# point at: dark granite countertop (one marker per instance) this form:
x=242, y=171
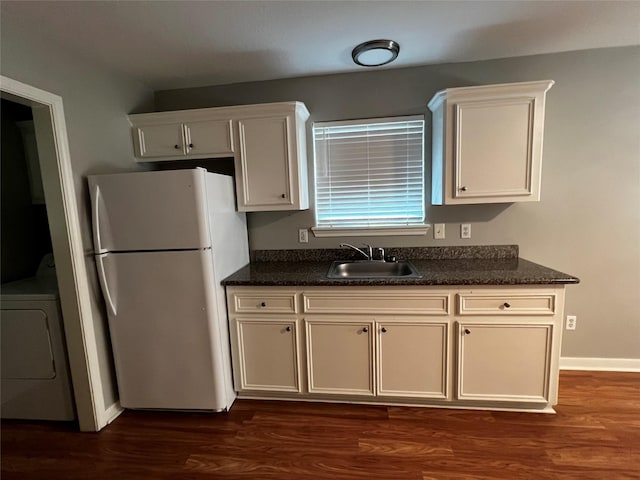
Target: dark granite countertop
x=437, y=265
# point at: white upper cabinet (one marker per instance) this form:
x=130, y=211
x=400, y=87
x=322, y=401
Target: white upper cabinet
x=487, y=143
x=271, y=165
x=267, y=142
x=167, y=136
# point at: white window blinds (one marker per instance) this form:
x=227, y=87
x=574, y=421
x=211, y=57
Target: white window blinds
x=370, y=173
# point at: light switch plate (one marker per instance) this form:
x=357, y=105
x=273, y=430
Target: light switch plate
x=438, y=231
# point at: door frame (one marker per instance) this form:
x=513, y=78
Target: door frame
x=66, y=236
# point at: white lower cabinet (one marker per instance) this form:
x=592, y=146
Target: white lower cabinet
x=499, y=349
x=412, y=358
x=267, y=355
x=340, y=356
x=504, y=362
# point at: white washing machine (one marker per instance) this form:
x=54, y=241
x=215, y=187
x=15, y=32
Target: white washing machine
x=35, y=372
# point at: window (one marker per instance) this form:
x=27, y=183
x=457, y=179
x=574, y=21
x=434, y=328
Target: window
x=370, y=175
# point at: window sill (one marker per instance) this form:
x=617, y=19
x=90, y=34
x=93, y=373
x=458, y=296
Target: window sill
x=370, y=231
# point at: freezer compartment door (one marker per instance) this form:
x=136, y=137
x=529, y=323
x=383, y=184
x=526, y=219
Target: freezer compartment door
x=164, y=330
x=163, y=210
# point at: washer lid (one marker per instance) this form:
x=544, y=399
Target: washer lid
x=33, y=288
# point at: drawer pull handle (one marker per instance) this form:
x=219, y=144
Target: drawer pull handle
x=263, y=304
x=365, y=329
x=507, y=305
x=288, y=329
x=384, y=330
x=467, y=331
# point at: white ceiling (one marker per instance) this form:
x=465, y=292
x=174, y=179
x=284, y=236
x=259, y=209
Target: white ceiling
x=173, y=44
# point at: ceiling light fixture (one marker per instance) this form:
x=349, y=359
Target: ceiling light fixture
x=375, y=53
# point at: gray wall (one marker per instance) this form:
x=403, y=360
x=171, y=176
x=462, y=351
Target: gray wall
x=96, y=103
x=588, y=222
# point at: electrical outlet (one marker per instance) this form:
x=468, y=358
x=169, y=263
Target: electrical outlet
x=465, y=230
x=438, y=231
x=571, y=322
x=303, y=235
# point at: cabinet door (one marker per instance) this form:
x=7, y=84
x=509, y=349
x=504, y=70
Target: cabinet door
x=340, y=356
x=153, y=141
x=267, y=355
x=209, y=139
x=504, y=362
x=487, y=143
x=492, y=149
x=412, y=359
x=266, y=154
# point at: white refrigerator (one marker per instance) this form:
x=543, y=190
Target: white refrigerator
x=163, y=243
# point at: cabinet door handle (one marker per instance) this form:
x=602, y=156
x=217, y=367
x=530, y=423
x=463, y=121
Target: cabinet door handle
x=263, y=304
x=365, y=329
x=506, y=305
x=383, y=330
x=191, y=145
x=463, y=189
x=467, y=331
x=176, y=146
x=288, y=329
x=284, y=195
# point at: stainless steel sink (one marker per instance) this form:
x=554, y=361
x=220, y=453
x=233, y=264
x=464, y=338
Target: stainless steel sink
x=372, y=269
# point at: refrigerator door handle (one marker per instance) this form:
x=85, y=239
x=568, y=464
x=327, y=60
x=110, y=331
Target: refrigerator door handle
x=96, y=219
x=103, y=282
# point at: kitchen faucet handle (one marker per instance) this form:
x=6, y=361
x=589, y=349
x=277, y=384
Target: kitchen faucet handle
x=370, y=250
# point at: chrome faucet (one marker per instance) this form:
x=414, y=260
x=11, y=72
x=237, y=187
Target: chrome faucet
x=368, y=256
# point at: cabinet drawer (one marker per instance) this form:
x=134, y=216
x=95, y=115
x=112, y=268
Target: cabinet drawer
x=284, y=302
x=507, y=304
x=377, y=303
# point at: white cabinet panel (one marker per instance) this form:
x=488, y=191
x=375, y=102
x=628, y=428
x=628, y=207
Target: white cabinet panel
x=175, y=141
x=492, y=148
x=265, y=158
x=271, y=165
x=158, y=141
x=487, y=143
x=504, y=362
x=209, y=139
x=499, y=303
x=260, y=301
x=267, y=355
x=371, y=302
x=412, y=359
x=340, y=356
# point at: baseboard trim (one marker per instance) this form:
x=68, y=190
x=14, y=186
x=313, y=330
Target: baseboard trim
x=600, y=364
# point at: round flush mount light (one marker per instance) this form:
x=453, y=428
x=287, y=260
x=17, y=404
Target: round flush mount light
x=375, y=53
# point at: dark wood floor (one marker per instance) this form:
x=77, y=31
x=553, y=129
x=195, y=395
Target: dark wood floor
x=595, y=435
